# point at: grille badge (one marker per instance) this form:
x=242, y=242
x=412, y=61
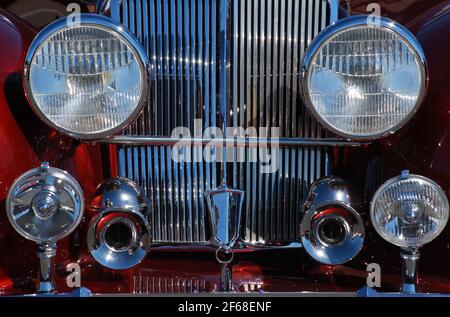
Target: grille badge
x=225, y=213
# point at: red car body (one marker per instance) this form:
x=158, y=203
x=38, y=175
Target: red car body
x=422, y=146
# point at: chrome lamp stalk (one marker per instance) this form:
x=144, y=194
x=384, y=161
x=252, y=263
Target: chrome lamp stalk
x=46, y=253
x=45, y=205
x=410, y=262
x=225, y=211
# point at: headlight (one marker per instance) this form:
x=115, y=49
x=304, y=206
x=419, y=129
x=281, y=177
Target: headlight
x=88, y=80
x=364, y=81
x=409, y=211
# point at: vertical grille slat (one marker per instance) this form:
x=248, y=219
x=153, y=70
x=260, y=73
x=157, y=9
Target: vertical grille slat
x=232, y=60
x=170, y=285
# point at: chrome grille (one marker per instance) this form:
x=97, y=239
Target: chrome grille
x=170, y=285
x=224, y=61
x=154, y=284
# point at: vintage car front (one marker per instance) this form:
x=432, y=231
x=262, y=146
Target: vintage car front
x=210, y=146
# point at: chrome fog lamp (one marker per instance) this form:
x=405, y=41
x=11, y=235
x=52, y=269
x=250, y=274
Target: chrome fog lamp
x=332, y=230
x=409, y=211
x=88, y=80
x=364, y=80
x=45, y=205
x=119, y=236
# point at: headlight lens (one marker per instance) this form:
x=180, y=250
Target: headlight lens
x=88, y=80
x=364, y=81
x=409, y=211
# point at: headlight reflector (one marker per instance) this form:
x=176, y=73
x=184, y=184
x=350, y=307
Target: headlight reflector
x=364, y=81
x=409, y=211
x=87, y=80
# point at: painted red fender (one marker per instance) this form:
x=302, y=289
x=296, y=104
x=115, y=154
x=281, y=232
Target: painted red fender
x=16, y=152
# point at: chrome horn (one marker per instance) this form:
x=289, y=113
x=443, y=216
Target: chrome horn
x=332, y=230
x=119, y=236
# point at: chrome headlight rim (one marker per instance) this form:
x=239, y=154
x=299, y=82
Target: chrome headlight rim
x=357, y=22
x=394, y=180
x=105, y=24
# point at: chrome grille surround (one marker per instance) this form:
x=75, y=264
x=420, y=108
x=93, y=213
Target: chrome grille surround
x=233, y=62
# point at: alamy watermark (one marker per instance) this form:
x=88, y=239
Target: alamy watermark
x=234, y=145
x=374, y=276
x=374, y=17
x=73, y=280
x=74, y=18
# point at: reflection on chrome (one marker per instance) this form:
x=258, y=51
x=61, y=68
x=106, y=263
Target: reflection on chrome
x=119, y=236
x=213, y=74
x=45, y=205
x=332, y=230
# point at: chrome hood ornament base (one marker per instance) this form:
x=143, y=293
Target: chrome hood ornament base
x=225, y=213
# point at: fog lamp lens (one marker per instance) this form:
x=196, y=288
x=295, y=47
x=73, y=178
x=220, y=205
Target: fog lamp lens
x=409, y=211
x=45, y=204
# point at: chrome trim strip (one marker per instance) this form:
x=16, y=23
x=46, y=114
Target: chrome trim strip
x=236, y=142
x=334, y=11
x=363, y=292
x=257, y=294
x=240, y=245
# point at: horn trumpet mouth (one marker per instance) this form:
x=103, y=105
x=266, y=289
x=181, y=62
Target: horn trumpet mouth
x=119, y=240
x=332, y=234
x=332, y=231
x=119, y=236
